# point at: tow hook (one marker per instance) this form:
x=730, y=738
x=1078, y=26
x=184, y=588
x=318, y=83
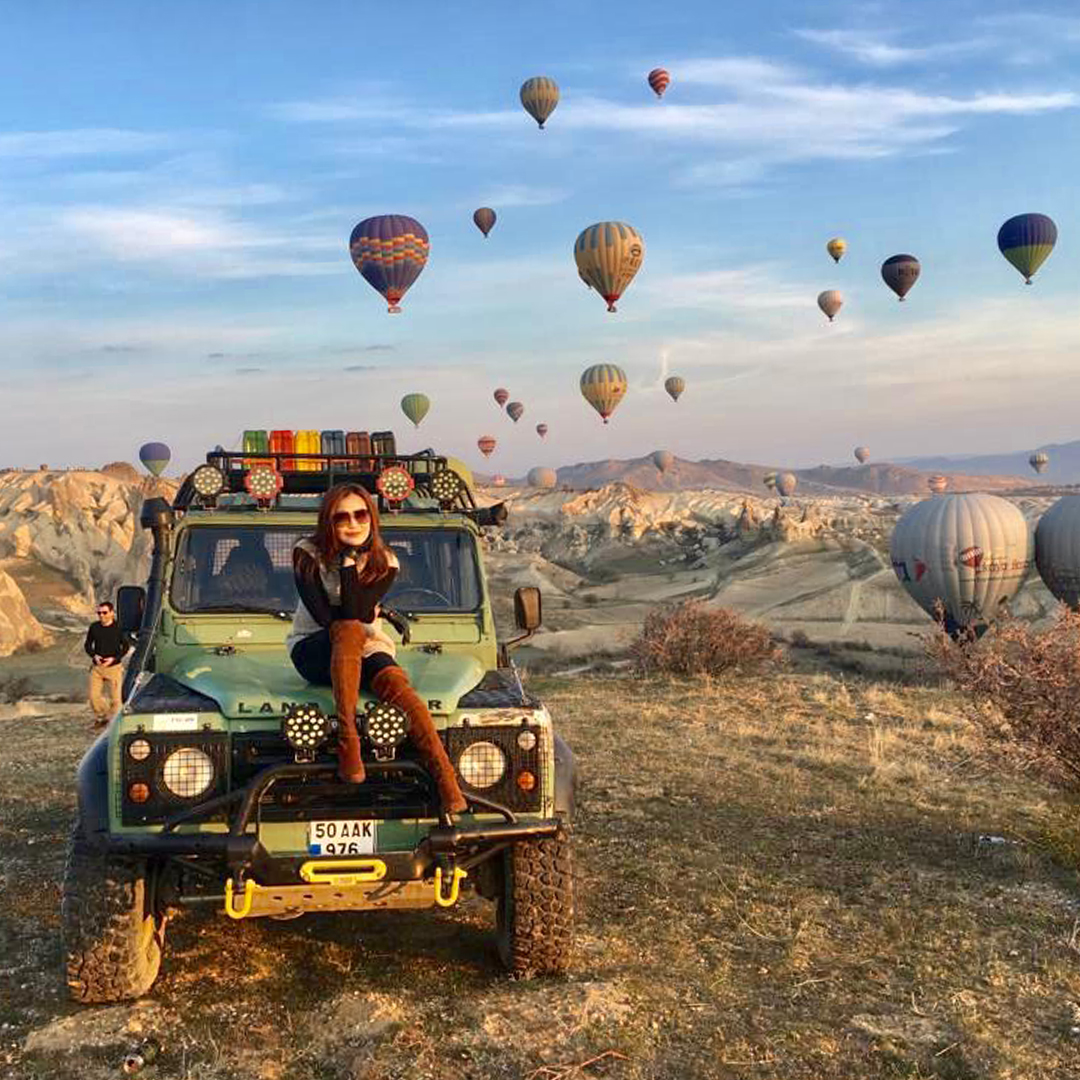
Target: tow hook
x=453, y=882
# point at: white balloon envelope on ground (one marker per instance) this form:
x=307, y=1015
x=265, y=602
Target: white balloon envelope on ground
x=1057, y=549
x=969, y=552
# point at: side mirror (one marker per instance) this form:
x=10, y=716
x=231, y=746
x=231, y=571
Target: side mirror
x=130, y=604
x=528, y=612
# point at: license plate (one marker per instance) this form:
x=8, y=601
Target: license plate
x=342, y=837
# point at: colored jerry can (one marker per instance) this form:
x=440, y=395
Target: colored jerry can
x=383, y=445
x=333, y=442
x=255, y=441
x=358, y=445
x=309, y=441
x=283, y=442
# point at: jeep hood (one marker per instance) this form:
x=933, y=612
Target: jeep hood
x=262, y=682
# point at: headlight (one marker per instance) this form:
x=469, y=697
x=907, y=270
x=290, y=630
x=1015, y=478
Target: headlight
x=482, y=764
x=188, y=772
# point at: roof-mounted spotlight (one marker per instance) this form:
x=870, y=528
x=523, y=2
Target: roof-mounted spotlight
x=208, y=482
x=306, y=728
x=263, y=483
x=445, y=486
x=395, y=483
x=386, y=727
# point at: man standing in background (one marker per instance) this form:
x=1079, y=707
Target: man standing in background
x=106, y=645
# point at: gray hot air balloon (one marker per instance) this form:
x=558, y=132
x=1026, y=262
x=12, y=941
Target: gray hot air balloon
x=900, y=272
x=1039, y=460
x=663, y=459
x=862, y=454
x=830, y=302
x=969, y=553
x=786, y=483
x=1057, y=549
x=542, y=478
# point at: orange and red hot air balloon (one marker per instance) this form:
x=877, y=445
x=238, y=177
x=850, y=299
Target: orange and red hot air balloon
x=659, y=80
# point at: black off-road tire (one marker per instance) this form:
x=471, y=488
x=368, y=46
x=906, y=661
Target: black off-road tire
x=535, y=911
x=112, y=939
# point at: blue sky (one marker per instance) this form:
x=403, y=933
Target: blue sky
x=178, y=184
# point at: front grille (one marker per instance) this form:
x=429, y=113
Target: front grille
x=150, y=771
x=506, y=791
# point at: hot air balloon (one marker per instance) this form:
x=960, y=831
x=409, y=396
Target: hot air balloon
x=830, y=302
x=155, y=456
x=769, y=480
x=486, y=444
x=484, y=219
x=674, y=385
x=1026, y=241
x=608, y=255
x=1057, y=549
x=539, y=96
x=1039, y=460
x=390, y=251
x=542, y=478
x=862, y=454
x=659, y=80
x=603, y=387
x=498, y=480
x=937, y=484
x=516, y=410
x=786, y=483
x=969, y=553
x=501, y=397
x=900, y=272
x=541, y=430
x=836, y=248
x=663, y=459
x=415, y=407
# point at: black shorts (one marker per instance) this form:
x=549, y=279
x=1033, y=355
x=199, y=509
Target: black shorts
x=311, y=657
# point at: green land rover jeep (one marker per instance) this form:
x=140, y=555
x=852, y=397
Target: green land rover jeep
x=215, y=784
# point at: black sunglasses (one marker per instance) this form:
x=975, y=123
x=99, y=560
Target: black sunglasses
x=343, y=517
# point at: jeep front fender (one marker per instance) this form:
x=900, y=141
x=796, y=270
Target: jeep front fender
x=565, y=779
x=92, y=788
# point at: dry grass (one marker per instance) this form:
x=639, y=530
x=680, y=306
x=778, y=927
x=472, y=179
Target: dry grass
x=787, y=878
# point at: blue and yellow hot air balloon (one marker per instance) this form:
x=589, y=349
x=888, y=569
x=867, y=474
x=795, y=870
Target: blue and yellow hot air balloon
x=539, y=96
x=603, y=386
x=155, y=456
x=608, y=255
x=415, y=407
x=390, y=251
x=1026, y=241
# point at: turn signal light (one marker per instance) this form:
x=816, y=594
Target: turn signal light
x=526, y=781
x=139, y=793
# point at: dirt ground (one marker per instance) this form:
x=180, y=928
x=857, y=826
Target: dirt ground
x=793, y=878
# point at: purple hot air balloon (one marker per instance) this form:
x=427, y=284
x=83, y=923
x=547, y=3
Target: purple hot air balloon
x=900, y=272
x=389, y=250
x=516, y=410
x=155, y=456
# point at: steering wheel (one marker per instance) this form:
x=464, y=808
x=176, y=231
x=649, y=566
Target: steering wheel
x=398, y=599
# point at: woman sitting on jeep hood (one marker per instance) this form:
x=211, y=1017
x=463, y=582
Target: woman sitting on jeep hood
x=342, y=572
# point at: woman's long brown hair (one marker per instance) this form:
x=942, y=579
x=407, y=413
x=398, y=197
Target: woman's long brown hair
x=325, y=539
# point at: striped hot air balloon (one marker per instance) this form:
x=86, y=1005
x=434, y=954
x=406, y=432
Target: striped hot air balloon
x=1039, y=460
x=900, y=272
x=603, y=386
x=484, y=219
x=501, y=397
x=415, y=407
x=1057, y=550
x=390, y=251
x=539, y=96
x=608, y=255
x=515, y=410
x=836, y=248
x=659, y=80
x=830, y=302
x=1026, y=241
x=486, y=444
x=541, y=430
x=674, y=385
x=541, y=477
x=937, y=483
x=786, y=483
x=155, y=456
x=769, y=480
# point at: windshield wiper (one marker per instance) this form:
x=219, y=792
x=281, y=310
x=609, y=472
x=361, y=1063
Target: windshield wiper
x=238, y=609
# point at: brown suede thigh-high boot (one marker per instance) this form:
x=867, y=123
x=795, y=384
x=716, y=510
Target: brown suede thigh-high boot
x=392, y=686
x=347, y=637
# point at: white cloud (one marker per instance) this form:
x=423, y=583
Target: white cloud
x=78, y=142
x=519, y=195
x=878, y=50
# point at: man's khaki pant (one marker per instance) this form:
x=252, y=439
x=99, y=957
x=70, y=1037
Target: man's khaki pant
x=105, y=680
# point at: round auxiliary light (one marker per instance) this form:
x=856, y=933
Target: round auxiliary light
x=526, y=740
x=263, y=482
x=386, y=727
x=305, y=728
x=188, y=772
x=395, y=483
x=482, y=765
x=445, y=485
x=139, y=749
x=139, y=792
x=208, y=481
x=526, y=780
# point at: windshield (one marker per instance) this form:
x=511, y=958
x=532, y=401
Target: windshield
x=249, y=568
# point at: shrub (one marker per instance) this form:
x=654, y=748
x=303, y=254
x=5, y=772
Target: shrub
x=1023, y=690
x=13, y=688
x=692, y=639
